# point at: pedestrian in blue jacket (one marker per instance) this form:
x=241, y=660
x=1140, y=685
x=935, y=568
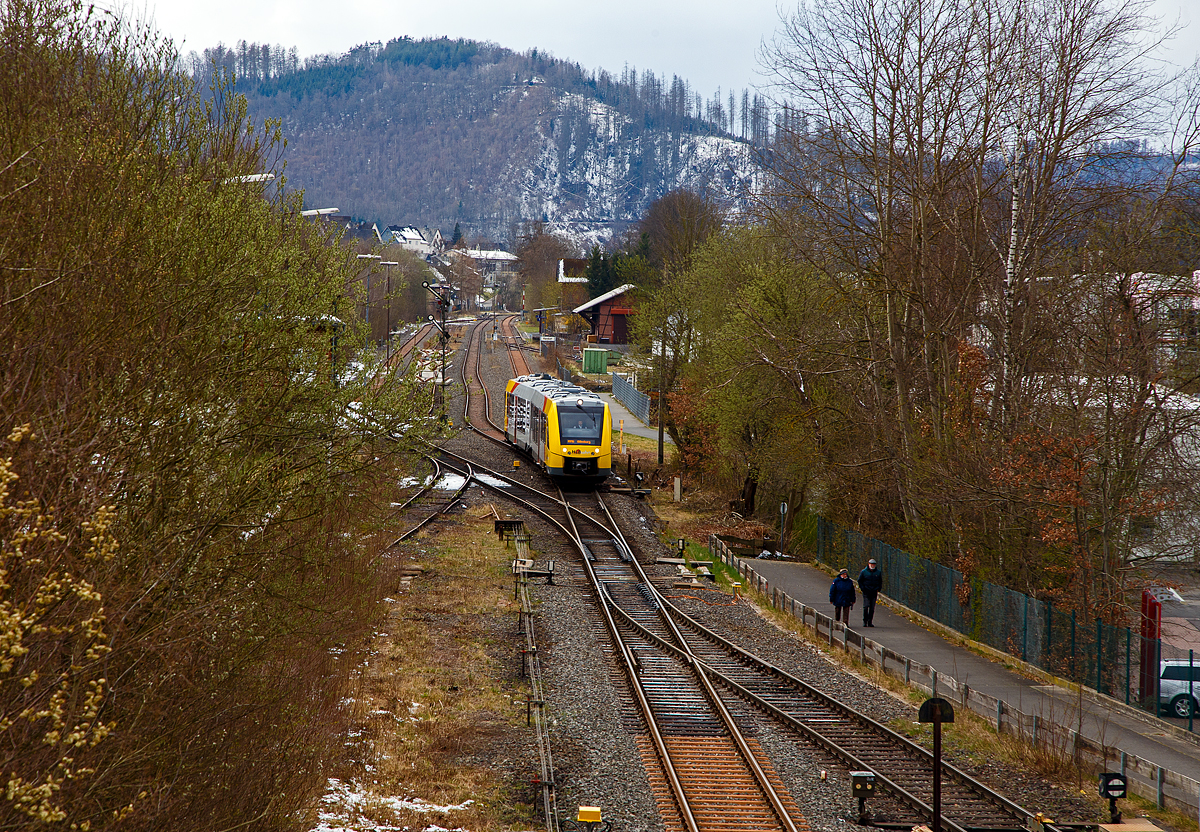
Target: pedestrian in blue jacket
x=842, y=596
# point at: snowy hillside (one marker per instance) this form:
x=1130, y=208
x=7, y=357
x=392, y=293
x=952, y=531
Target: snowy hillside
x=444, y=133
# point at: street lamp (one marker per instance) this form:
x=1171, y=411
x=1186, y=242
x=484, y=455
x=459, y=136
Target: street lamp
x=367, y=305
x=389, y=264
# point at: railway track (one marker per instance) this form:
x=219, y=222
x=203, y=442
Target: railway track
x=693, y=738
x=477, y=408
x=699, y=697
x=428, y=501
x=696, y=693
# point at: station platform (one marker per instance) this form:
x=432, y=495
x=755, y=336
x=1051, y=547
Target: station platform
x=1158, y=741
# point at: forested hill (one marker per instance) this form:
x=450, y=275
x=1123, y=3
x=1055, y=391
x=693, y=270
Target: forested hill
x=438, y=132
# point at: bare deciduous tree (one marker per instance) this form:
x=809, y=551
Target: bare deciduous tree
x=953, y=170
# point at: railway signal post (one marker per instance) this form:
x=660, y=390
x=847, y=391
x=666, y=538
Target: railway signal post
x=1113, y=786
x=937, y=711
x=443, y=302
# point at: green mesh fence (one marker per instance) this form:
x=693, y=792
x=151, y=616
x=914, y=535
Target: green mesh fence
x=1100, y=656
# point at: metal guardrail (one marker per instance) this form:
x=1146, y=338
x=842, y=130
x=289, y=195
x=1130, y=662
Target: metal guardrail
x=635, y=402
x=1103, y=657
x=567, y=374
x=1166, y=788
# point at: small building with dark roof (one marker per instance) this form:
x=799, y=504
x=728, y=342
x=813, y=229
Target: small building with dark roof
x=608, y=315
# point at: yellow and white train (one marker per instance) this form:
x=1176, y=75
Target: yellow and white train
x=565, y=428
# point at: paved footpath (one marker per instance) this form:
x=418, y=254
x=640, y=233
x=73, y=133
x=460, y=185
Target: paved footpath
x=1111, y=724
x=632, y=425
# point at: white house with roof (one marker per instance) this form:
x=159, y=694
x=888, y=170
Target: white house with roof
x=492, y=265
x=424, y=242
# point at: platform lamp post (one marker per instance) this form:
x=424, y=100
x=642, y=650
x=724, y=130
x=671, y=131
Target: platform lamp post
x=367, y=305
x=388, y=336
x=443, y=303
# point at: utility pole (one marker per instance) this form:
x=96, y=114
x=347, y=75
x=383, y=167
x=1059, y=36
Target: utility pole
x=443, y=306
x=367, y=305
x=388, y=335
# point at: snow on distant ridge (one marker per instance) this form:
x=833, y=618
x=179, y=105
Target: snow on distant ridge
x=592, y=153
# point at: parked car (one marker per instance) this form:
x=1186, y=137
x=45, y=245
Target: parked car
x=1173, y=688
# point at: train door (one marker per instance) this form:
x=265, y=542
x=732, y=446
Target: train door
x=543, y=435
x=519, y=414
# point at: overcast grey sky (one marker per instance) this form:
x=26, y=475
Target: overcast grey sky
x=709, y=43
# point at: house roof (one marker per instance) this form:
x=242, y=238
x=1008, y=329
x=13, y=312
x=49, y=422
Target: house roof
x=620, y=290
x=483, y=254
x=356, y=228
x=407, y=232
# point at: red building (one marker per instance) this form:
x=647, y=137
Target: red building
x=607, y=315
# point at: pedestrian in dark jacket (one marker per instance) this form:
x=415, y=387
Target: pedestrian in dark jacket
x=870, y=582
x=842, y=596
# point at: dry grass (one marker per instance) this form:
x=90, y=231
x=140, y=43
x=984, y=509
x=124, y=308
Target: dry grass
x=441, y=698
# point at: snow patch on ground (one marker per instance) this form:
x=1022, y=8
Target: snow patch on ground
x=346, y=803
x=492, y=481
x=450, y=482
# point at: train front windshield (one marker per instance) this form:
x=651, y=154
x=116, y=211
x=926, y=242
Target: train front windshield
x=580, y=425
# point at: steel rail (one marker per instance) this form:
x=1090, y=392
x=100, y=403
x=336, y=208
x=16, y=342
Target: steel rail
x=541, y=730
x=470, y=475
x=892, y=737
x=852, y=761
x=514, y=352
x=685, y=652
x=630, y=664
x=629, y=661
x=469, y=341
x=474, y=344
x=487, y=398
x=705, y=670
x=921, y=807
x=400, y=353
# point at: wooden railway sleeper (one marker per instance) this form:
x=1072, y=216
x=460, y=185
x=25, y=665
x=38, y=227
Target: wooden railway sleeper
x=890, y=736
x=812, y=735
x=745, y=752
